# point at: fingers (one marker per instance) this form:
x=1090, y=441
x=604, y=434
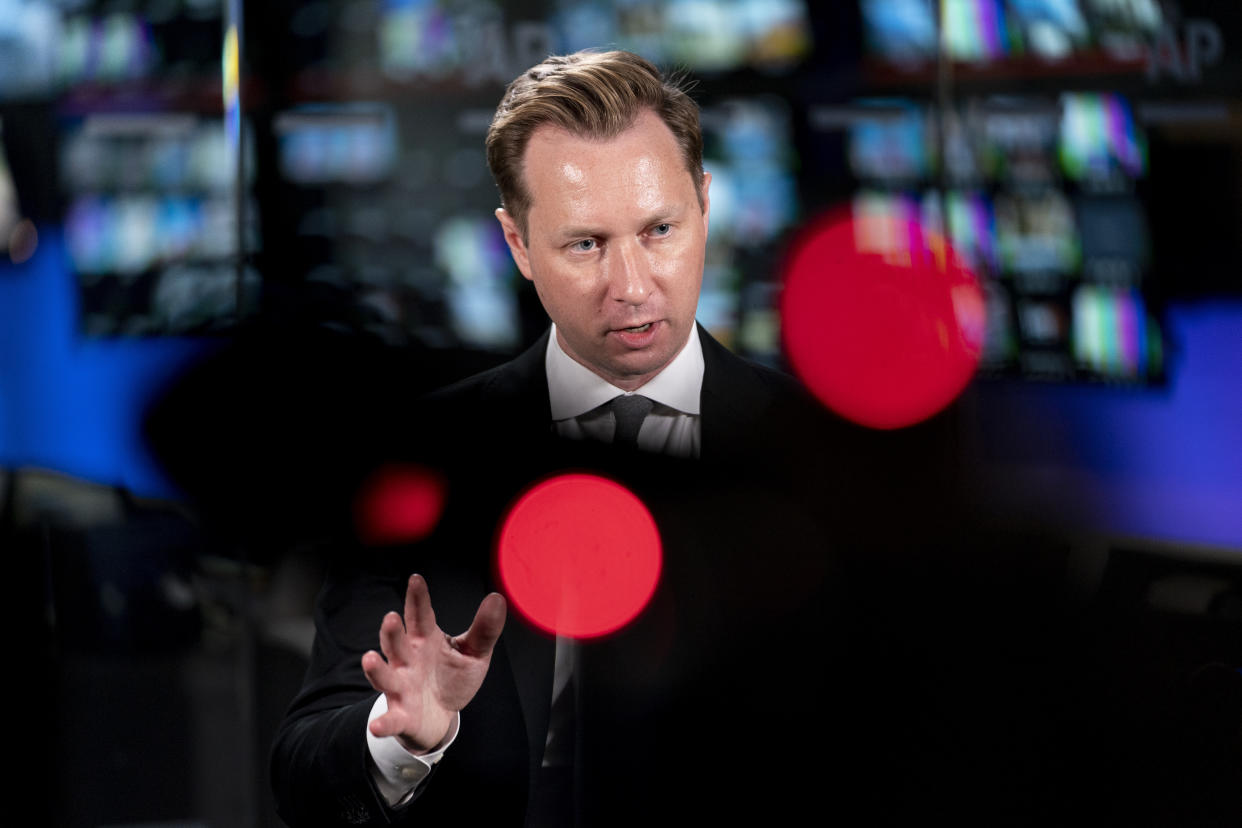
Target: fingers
x=420, y=619
x=391, y=723
x=393, y=642
x=484, y=631
x=382, y=676
x=380, y=727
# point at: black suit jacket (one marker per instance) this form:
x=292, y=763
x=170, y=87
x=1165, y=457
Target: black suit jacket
x=739, y=527
x=799, y=655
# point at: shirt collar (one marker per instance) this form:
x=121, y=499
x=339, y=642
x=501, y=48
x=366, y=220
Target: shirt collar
x=574, y=389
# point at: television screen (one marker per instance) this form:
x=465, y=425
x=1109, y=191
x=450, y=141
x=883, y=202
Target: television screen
x=1114, y=232
x=1124, y=29
x=900, y=31
x=1051, y=29
x=972, y=229
x=32, y=36
x=1019, y=136
x=749, y=151
x=482, y=306
x=418, y=38
x=1099, y=141
x=1113, y=336
x=706, y=36
x=350, y=143
x=893, y=145
x=151, y=222
x=975, y=30
x=1036, y=234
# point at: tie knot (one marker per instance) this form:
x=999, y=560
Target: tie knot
x=629, y=410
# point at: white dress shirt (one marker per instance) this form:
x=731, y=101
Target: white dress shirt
x=397, y=772
x=578, y=399
x=576, y=394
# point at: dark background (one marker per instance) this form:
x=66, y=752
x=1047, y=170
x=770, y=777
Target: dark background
x=174, y=461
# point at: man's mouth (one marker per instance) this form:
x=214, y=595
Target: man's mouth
x=638, y=329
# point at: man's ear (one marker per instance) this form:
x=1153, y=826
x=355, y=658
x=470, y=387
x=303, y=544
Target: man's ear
x=707, y=201
x=513, y=237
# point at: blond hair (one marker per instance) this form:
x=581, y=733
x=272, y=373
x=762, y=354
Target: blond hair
x=591, y=95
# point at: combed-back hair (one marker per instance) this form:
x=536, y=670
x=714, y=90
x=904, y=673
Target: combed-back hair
x=590, y=94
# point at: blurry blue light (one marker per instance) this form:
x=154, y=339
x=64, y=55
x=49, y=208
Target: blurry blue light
x=70, y=404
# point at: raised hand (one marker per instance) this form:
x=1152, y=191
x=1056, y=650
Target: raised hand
x=429, y=675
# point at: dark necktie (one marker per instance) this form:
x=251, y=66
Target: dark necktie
x=629, y=410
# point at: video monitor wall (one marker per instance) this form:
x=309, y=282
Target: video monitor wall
x=1002, y=126
x=146, y=174
x=1023, y=130
x=151, y=223
x=907, y=33
x=1042, y=198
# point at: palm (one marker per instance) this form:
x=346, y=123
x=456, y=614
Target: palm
x=429, y=676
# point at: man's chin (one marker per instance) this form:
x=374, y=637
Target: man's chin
x=635, y=368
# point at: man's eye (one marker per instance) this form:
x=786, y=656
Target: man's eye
x=584, y=246
x=662, y=229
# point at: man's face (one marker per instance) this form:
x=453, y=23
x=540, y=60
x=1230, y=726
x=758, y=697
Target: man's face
x=615, y=244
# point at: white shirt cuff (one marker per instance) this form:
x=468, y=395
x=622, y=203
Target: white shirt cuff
x=397, y=772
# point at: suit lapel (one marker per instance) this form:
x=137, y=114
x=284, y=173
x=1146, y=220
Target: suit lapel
x=732, y=400
x=518, y=393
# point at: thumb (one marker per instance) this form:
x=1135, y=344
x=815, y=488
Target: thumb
x=484, y=631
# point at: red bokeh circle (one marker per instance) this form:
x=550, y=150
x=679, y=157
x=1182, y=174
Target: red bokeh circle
x=579, y=555
x=882, y=322
x=399, y=503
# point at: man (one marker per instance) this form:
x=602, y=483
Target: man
x=605, y=210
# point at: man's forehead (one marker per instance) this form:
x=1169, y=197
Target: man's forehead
x=588, y=181
x=638, y=153
x=572, y=172
x=554, y=145
x=550, y=135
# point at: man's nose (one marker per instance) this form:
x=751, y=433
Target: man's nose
x=630, y=277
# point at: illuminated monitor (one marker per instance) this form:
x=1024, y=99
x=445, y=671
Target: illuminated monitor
x=1050, y=29
x=1098, y=138
x=900, y=31
x=893, y=144
x=151, y=221
x=353, y=143
x=1113, y=338
x=975, y=30
x=706, y=36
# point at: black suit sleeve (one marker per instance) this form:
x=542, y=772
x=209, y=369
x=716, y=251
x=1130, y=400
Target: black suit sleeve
x=321, y=767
